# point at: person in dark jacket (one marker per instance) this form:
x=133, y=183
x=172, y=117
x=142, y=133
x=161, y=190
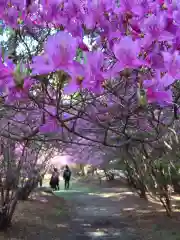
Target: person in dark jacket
x=54, y=181
x=66, y=177
x=41, y=177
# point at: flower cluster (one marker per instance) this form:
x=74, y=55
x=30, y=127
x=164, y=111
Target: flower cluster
x=140, y=35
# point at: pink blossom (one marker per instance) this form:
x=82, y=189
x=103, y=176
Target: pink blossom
x=59, y=53
x=154, y=29
x=125, y=57
x=87, y=76
x=156, y=89
x=172, y=63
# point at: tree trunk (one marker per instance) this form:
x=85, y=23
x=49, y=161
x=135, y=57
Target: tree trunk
x=176, y=186
x=166, y=202
x=24, y=194
x=143, y=194
x=6, y=214
x=82, y=169
x=25, y=191
x=5, y=221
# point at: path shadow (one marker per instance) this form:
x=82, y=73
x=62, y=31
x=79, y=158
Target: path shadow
x=113, y=210
x=39, y=220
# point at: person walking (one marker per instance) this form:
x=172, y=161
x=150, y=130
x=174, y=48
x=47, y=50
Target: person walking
x=40, y=180
x=66, y=177
x=54, y=181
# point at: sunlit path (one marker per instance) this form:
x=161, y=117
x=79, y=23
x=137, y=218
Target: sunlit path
x=97, y=213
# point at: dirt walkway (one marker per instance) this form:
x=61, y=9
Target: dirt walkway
x=91, y=213
x=100, y=217
x=43, y=217
x=116, y=213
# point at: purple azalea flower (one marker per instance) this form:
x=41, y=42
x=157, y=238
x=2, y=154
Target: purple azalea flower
x=155, y=57
x=156, y=89
x=9, y=82
x=125, y=57
x=88, y=76
x=42, y=65
x=176, y=16
x=161, y=97
x=19, y=93
x=51, y=10
x=94, y=12
x=159, y=82
x=60, y=51
x=154, y=29
x=6, y=74
x=12, y=17
x=172, y=63
x=94, y=72
x=170, y=26
x=77, y=74
x=134, y=7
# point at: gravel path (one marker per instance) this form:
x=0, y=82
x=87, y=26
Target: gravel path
x=91, y=213
x=98, y=214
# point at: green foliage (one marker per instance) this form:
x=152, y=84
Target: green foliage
x=79, y=56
